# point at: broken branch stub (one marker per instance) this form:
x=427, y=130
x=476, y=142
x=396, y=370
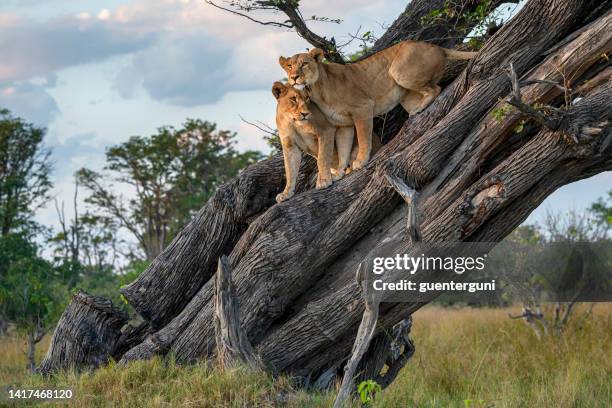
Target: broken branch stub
x=233, y=346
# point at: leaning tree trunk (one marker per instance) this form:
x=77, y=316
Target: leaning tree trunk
x=293, y=263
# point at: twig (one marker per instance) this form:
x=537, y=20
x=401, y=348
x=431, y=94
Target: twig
x=296, y=21
x=262, y=126
x=266, y=23
x=516, y=101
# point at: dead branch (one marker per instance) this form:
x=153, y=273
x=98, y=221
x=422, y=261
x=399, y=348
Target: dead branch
x=362, y=340
x=517, y=101
x=410, y=196
x=260, y=126
x=295, y=21
x=233, y=346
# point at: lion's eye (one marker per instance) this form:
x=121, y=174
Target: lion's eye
x=294, y=99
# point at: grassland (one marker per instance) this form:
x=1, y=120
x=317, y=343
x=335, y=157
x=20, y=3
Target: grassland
x=465, y=357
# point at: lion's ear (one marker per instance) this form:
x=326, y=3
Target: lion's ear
x=317, y=54
x=282, y=61
x=278, y=89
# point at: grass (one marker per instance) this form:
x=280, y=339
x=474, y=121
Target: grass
x=465, y=357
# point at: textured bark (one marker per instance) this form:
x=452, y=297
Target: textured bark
x=233, y=347
x=86, y=335
x=173, y=278
x=293, y=263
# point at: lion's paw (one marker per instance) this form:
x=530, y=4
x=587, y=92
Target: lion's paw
x=357, y=164
x=337, y=174
x=323, y=182
x=285, y=195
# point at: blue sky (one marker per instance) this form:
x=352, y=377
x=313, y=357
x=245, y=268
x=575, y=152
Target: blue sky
x=96, y=72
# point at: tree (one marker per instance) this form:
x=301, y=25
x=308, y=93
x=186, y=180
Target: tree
x=602, y=210
x=24, y=176
x=30, y=291
x=171, y=174
x=24, y=171
x=478, y=166
x=562, y=262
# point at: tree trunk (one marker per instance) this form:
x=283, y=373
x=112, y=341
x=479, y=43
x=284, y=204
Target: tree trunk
x=31, y=351
x=3, y=325
x=293, y=263
x=87, y=335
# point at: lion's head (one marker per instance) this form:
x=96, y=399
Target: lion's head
x=303, y=69
x=292, y=102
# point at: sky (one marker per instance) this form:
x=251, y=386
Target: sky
x=95, y=73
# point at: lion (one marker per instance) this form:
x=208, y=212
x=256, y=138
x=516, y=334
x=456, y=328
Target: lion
x=302, y=127
x=353, y=94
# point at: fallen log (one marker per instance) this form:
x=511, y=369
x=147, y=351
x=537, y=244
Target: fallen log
x=86, y=335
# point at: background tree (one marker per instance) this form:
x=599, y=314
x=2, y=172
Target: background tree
x=24, y=171
x=24, y=177
x=552, y=267
x=171, y=174
x=86, y=249
x=31, y=292
x=602, y=210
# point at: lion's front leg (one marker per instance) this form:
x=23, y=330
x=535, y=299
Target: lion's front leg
x=324, y=158
x=292, y=156
x=364, y=140
x=344, y=146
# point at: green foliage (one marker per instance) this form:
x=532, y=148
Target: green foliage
x=499, y=114
x=172, y=174
x=602, y=211
x=326, y=19
x=31, y=290
x=24, y=172
x=480, y=19
x=367, y=391
x=520, y=126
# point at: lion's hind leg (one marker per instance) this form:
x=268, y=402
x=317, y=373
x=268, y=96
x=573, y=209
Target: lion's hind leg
x=417, y=70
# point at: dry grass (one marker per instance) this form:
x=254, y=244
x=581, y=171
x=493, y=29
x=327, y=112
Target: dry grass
x=462, y=354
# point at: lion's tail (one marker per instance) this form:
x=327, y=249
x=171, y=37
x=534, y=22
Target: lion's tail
x=458, y=55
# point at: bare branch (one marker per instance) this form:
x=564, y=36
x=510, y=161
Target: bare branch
x=516, y=101
x=296, y=21
x=266, y=23
x=260, y=126
x=410, y=196
x=362, y=340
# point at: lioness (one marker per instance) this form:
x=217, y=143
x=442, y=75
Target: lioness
x=406, y=73
x=303, y=127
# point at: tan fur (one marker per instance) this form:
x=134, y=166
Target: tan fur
x=406, y=73
x=302, y=127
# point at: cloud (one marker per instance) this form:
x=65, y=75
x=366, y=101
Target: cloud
x=181, y=71
x=191, y=70
x=180, y=52
x=30, y=48
x=77, y=151
x=29, y=101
